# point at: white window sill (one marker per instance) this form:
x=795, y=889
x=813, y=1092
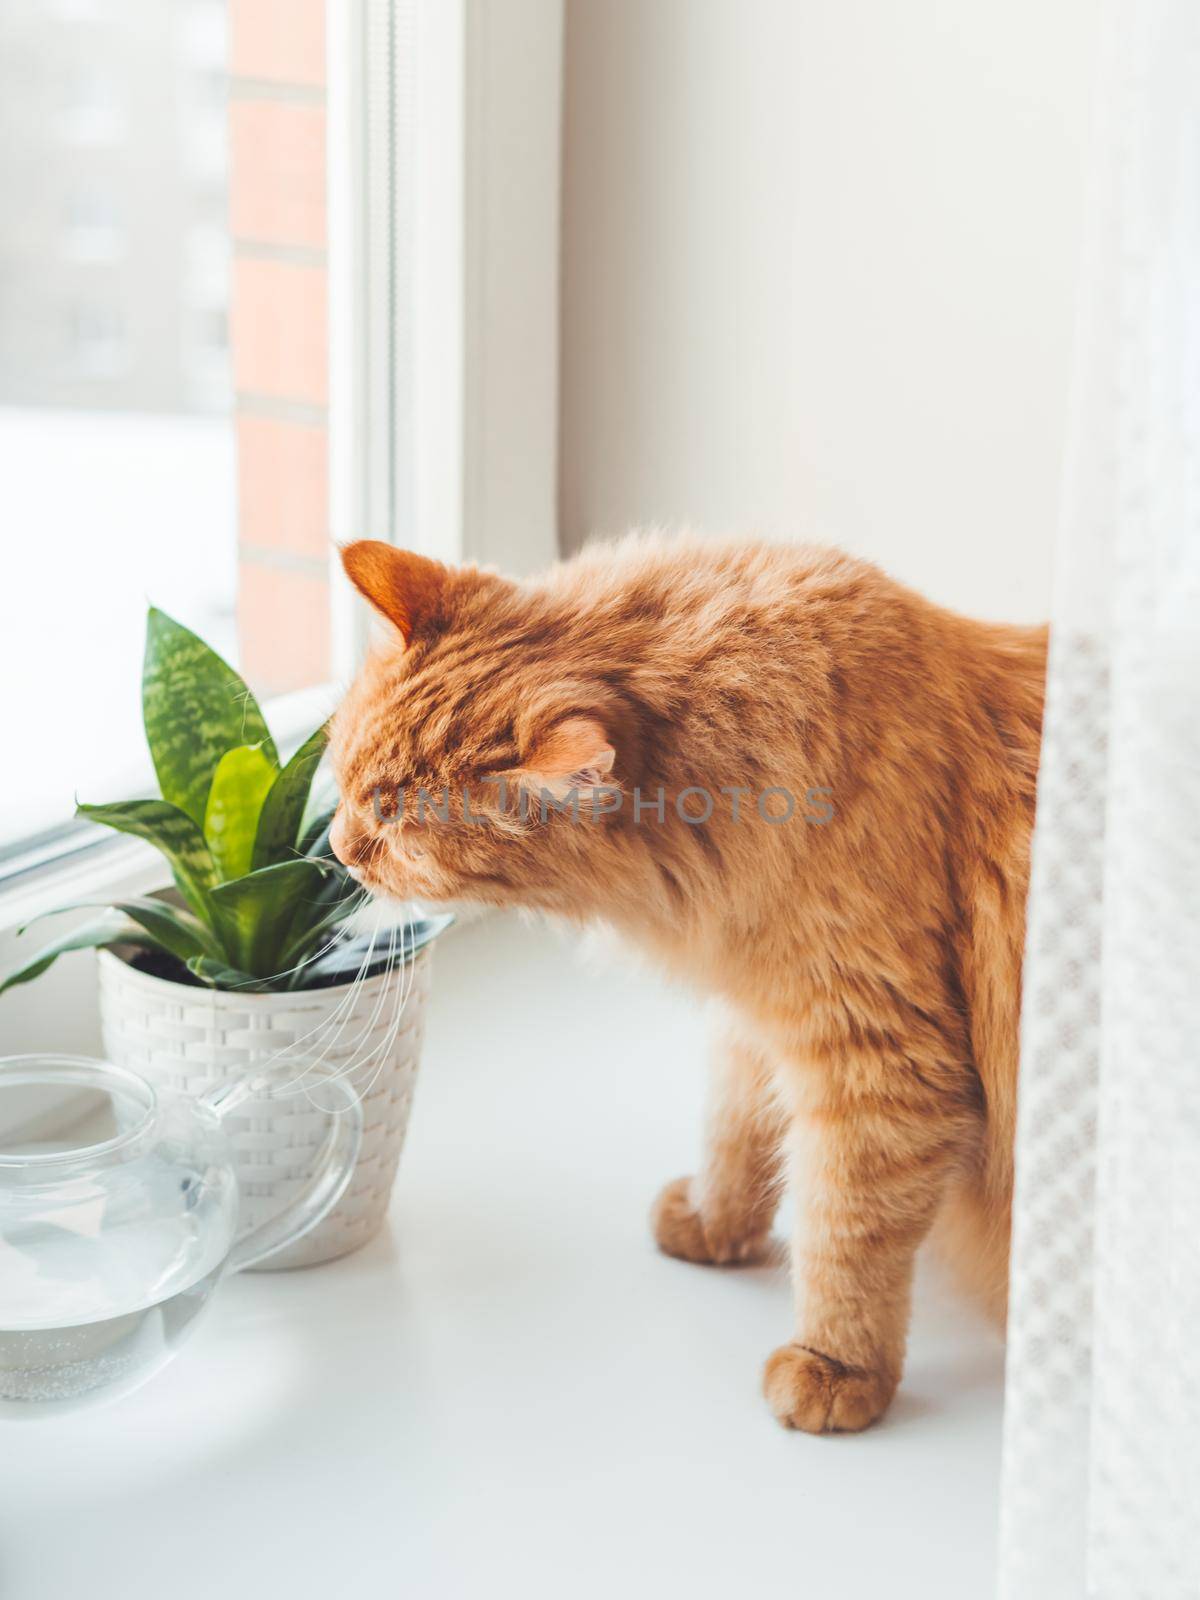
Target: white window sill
x=509, y=1392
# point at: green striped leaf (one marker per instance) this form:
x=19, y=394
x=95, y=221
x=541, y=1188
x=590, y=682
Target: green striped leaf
x=195, y=708
x=241, y=783
x=102, y=933
x=219, y=976
x=283, y=809
x=255, y=912
x=307, y=935
x=170, y=927
x=173, y=833
x=336, y=897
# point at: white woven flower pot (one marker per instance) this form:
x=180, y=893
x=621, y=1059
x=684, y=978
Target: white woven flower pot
x=188, y=1040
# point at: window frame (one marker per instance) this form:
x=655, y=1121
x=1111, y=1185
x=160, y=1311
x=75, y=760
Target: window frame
x=443, y=338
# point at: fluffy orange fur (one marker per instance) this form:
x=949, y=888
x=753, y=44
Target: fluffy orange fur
x=870, y=960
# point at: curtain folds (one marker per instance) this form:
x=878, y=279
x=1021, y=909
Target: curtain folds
x=1101, y=1474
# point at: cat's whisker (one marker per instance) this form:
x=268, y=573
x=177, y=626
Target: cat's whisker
x=330, y=1028
x=344, y=1005
x=351, y=1063
x=356, y=1060
x=383, y=1047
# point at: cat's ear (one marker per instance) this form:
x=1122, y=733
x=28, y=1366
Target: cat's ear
x=405, y=588
x=573, y=755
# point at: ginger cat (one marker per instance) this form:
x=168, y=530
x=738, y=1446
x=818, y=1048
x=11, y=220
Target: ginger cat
x=867, y=944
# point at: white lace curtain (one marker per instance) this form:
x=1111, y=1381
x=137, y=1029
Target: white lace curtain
x=1101, y=1478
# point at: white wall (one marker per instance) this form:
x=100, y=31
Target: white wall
x=819, y=268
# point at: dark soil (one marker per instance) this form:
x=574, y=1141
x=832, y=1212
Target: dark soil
x=158, y=964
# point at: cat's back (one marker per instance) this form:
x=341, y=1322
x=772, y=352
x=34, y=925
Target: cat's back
x=681, y=574
x=768, y=627
x=753, y=585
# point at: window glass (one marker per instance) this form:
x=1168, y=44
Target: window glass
x=162, y=367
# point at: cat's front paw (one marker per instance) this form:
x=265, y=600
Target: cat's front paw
x=680, y=1231
x=815, y=1393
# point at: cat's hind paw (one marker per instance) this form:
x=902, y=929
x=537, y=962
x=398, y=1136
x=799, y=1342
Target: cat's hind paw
x=680, y=1230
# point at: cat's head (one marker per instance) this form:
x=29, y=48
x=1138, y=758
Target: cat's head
x=468, y=722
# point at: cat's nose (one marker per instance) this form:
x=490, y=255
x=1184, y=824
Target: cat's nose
x=347, y=841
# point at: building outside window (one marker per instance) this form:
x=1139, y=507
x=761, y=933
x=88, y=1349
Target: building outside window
x=163, y=365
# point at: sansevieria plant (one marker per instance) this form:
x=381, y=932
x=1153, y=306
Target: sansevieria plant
x=260, y=898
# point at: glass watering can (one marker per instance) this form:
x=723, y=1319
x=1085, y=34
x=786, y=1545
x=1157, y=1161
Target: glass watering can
x=118, y=1218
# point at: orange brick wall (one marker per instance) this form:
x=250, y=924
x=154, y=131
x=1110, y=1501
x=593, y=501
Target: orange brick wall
x=279, y=335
